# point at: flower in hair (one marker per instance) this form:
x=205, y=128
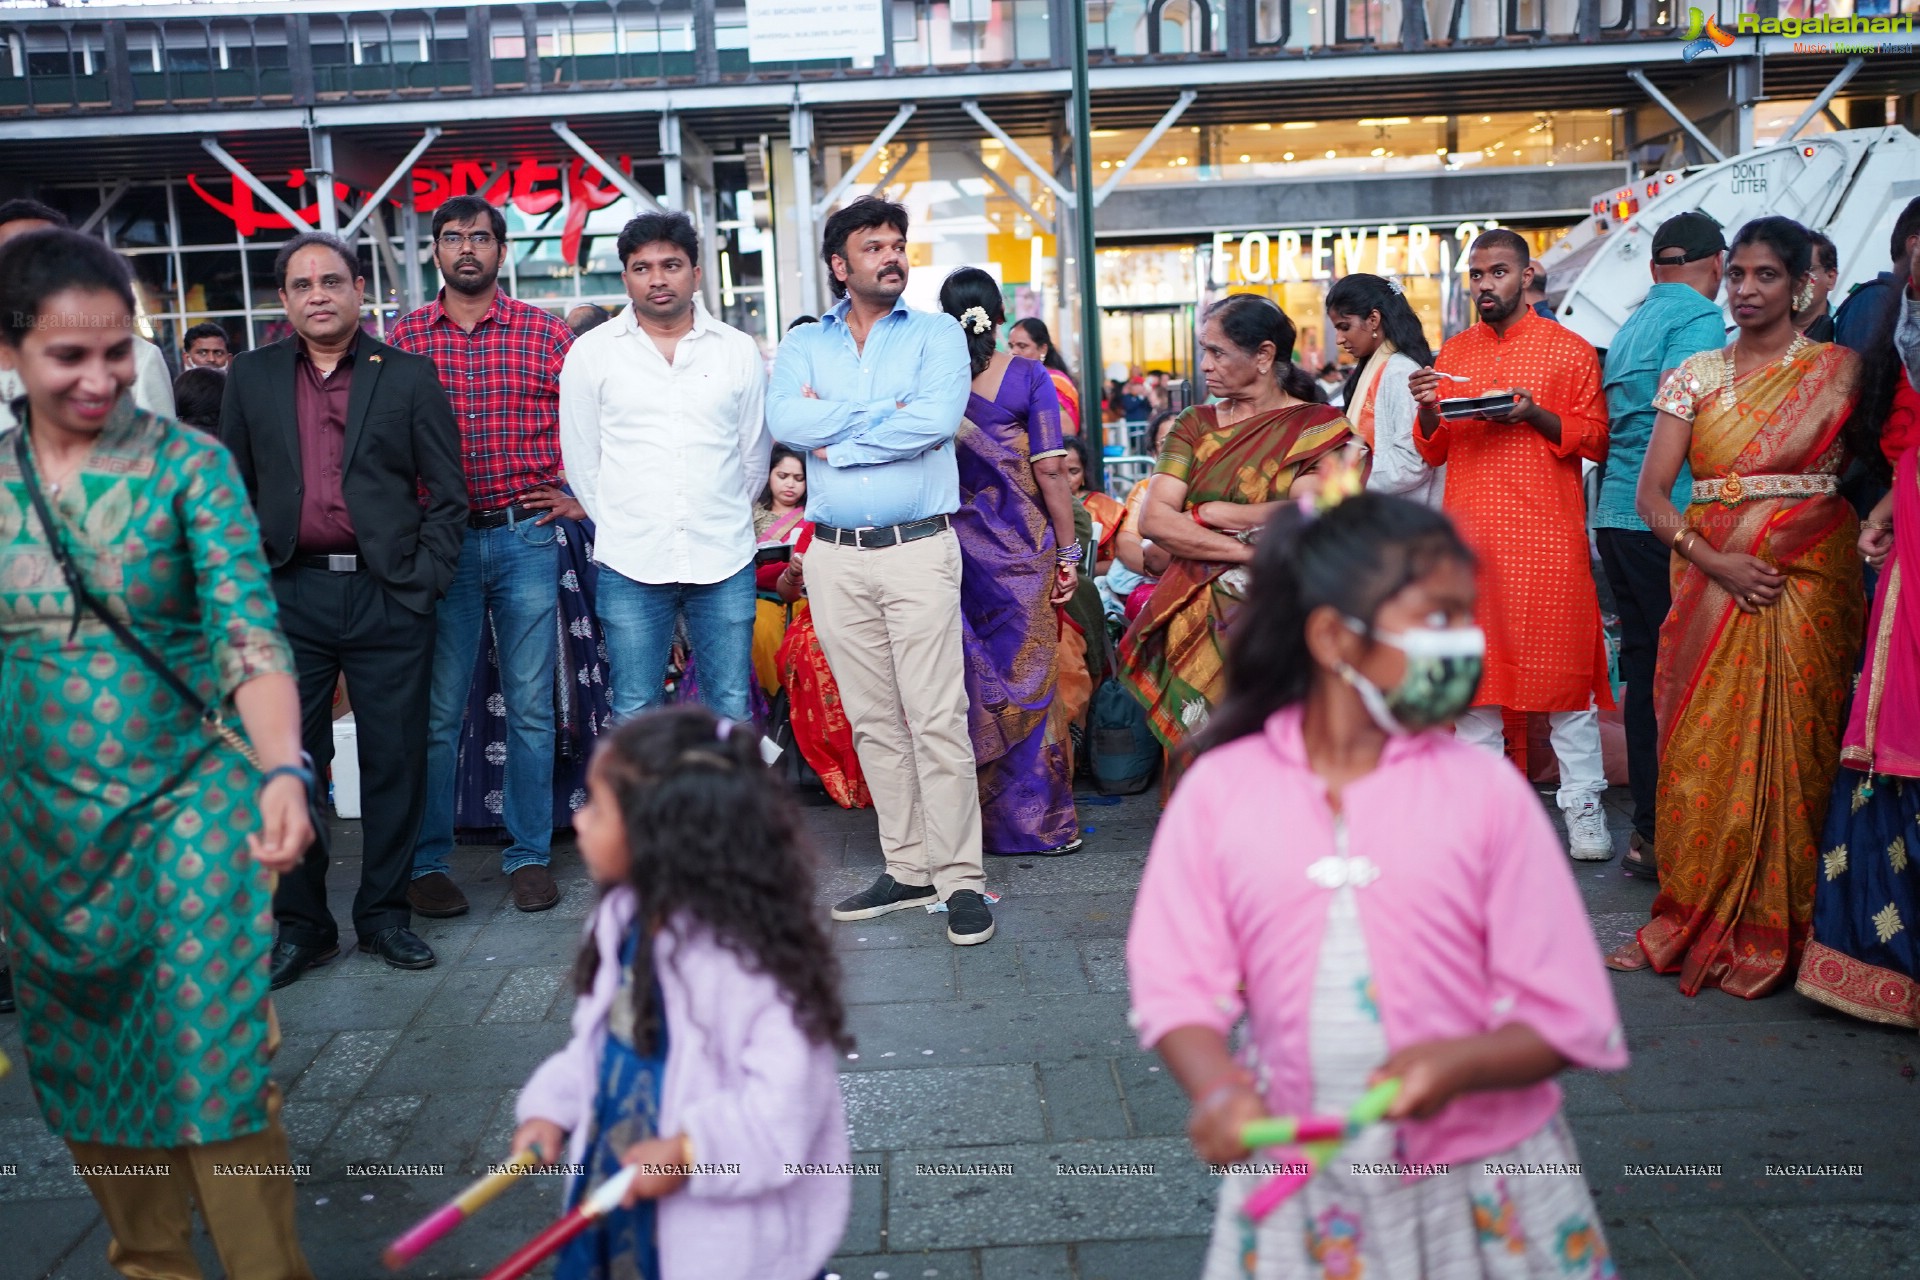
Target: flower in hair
x=1343, y=476
x=976, y=320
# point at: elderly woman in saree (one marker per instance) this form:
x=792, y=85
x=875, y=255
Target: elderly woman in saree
x=1019, y=563
x=1223, y=471
x=137, y=840
x=1758, y=652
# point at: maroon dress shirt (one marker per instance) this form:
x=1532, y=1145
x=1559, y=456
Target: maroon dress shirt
x=320, y=410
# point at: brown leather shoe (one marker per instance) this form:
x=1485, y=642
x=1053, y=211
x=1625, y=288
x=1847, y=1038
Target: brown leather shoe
x=533, y=888
x=436, y=896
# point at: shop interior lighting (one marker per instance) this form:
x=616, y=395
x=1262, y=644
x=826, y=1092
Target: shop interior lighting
x=1301, y=124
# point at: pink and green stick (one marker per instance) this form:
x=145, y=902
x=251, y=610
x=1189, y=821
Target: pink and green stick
x=1309, y=1140
x=458, y=1210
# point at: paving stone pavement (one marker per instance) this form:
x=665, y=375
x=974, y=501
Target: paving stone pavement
x=981, y=1071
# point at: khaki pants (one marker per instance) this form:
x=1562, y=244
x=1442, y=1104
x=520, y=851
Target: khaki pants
x=244, y=1196
x=889, y=624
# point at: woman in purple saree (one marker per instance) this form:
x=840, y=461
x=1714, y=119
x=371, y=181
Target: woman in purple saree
x=1019, y=560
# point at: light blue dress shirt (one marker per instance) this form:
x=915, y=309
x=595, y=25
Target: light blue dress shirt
x=886, y=415
x=1672, y=325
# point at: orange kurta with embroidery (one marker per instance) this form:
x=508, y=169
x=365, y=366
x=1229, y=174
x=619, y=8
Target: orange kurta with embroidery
x=1518, y=501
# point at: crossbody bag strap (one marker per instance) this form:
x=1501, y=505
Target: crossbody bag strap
x=84, y=598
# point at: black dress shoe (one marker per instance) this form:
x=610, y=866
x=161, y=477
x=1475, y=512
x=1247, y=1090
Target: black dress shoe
x=291, y=959
x=400, y=947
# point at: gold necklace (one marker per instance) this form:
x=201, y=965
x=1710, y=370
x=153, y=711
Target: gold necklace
x=1728, y=372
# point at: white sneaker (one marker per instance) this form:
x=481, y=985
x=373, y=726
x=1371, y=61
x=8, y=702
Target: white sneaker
x=1588, y=839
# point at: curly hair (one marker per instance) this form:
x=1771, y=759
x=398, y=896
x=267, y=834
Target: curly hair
x=715, y=841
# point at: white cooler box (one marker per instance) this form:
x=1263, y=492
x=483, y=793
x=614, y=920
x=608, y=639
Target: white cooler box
x=346, y=767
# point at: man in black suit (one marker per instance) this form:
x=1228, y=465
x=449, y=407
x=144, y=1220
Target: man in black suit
x=337, y=436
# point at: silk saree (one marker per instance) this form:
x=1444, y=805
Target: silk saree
x=1173, y=656
x=1750, y=706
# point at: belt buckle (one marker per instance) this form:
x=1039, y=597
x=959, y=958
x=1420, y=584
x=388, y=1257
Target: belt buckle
x=342, y=564
x=860, y=536
x=1732, y=490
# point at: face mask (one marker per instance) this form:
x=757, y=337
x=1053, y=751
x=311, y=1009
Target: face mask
x=1443, y=673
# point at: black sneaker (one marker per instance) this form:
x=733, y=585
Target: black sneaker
x=886, y=894
x=969, y=923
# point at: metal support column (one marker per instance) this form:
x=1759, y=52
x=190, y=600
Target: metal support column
x=400, y=171
x=1679, y=117
x=320, y=173
x=241, y=174
x=611, y=172
x=673, y=190
x=800, y=138
x=1084, y=246
x=1834, y=86
x=1146, y=144
x=824, y=205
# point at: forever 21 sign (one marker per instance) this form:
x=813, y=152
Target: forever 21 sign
x=1326, y=253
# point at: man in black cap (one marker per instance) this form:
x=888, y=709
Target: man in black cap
x=1678, y=319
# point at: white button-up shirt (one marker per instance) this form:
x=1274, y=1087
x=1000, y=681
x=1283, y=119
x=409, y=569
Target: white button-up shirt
x=666, y=458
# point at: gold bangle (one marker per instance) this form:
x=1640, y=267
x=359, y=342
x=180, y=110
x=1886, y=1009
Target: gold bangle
x=1678, y=534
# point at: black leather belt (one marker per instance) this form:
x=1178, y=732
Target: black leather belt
x=500, y=517
x=332, y=563
x=886, y=535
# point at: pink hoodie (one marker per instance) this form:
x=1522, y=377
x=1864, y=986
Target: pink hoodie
x=755, y=1095
x=1472, y=919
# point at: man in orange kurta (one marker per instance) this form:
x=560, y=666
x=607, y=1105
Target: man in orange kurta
x=1513, y=487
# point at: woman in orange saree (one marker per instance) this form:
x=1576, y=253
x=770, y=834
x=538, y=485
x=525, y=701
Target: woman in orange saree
x=1224, y=469
x=1759, y=651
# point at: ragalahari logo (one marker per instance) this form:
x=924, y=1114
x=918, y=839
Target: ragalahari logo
x=1703, y=35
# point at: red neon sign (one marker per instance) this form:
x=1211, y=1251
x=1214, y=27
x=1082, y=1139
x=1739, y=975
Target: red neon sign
x=532, y=186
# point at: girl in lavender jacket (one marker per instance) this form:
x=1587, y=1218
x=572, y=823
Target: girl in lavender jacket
x=1379, y=901
x=706, y=1038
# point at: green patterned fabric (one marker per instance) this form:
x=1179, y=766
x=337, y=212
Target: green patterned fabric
x=139, y=925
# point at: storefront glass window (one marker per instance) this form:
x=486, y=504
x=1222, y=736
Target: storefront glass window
x=1384, y=144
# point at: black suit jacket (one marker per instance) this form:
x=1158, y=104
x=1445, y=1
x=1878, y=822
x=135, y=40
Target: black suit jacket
x=401, y=437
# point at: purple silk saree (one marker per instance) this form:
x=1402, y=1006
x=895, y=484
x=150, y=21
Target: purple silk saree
x=1010, y=631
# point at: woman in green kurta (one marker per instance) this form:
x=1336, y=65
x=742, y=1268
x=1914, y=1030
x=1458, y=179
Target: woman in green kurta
x=136, y=848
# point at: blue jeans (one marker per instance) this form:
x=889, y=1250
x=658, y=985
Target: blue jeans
x=638, y=620
x=513, y=573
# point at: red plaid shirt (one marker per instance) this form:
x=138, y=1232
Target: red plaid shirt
x=504, y=382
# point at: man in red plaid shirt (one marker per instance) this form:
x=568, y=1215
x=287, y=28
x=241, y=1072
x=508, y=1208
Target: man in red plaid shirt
x=500, y=361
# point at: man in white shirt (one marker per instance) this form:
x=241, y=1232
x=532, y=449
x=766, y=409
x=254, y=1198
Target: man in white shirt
x=663, y=433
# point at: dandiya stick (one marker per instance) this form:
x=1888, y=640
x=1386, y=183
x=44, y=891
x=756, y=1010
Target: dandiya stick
x=457, y=1210
x=1309, y=1140
x=598, y=1205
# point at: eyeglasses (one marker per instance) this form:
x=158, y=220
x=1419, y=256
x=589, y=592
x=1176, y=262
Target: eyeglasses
x=479, y=240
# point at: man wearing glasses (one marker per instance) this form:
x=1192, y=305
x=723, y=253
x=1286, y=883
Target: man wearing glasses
x=349, y=453
x=500, y=361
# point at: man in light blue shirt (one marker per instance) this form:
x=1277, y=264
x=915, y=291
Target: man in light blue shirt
x=874, y=393
x=1679, y=319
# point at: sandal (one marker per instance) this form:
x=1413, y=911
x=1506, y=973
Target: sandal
x=1636, y=860
x=1628, y=957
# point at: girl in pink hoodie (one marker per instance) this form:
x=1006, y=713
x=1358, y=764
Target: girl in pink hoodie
x=1377, y=900
x=706, y=1039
